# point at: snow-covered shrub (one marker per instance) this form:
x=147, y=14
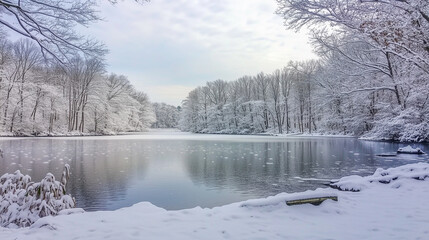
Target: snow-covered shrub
x=22, y=201
x=415, y=133
x=408, y=126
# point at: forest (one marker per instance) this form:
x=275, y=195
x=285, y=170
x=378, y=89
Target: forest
x=53, y=78
x=166, y=116
x=370, y=80
x=39, y=97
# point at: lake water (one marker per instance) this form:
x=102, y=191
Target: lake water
x=176, y=170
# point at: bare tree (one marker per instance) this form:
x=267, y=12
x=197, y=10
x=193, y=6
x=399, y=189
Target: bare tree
x=81, y=74
x=262, y=89
x=397, y=26
x=286, y=85
x=25, y=58
x=275, y=87
x=51, y=24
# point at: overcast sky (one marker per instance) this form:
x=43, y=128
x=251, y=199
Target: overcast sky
x=167, y=48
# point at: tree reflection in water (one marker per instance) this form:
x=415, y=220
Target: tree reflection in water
x=194, y=170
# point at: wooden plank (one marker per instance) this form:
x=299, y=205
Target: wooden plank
x=315, y=201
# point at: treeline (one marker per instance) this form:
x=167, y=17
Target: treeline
x=281, y=102
x=371, y=79
x=167, y=116
x=39, y=97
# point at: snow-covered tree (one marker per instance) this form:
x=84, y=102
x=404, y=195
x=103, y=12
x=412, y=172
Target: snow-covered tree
x=375, y=56
x=167, y=116
x=38, y=97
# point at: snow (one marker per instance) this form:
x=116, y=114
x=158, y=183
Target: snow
x=175, y=134
x=396, y=209
x=409, y=149
x=22, y=202
x=314, y=135
x=418, y=171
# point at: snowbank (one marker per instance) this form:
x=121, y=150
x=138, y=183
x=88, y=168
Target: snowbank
x=382, y=209
x=67, y=134
x=48, y=134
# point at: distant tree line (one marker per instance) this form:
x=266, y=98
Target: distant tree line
x=281, y=102
x=44, y=97
x=167, y=116
x=372, y=77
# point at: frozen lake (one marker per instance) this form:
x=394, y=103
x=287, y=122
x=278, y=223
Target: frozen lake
x=177, y=170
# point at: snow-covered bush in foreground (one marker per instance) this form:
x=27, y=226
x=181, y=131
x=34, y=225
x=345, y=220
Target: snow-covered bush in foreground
x=22, y=201
x=409, y=126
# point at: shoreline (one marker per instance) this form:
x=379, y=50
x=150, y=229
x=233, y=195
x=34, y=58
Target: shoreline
x=67, y=135
x=164, y=130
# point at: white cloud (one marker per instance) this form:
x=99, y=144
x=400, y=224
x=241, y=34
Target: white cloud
x=168, y=93
x=188, y=42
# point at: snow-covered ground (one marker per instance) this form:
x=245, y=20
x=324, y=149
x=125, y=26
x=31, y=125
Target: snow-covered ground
x=391, y=204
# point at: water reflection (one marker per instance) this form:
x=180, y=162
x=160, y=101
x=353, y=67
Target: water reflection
x=194, y=170
x=100, y=169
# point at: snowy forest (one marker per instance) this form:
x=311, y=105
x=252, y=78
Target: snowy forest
x=44, y=98
x=167, y=116
x=53, y=79
x=370, y=80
